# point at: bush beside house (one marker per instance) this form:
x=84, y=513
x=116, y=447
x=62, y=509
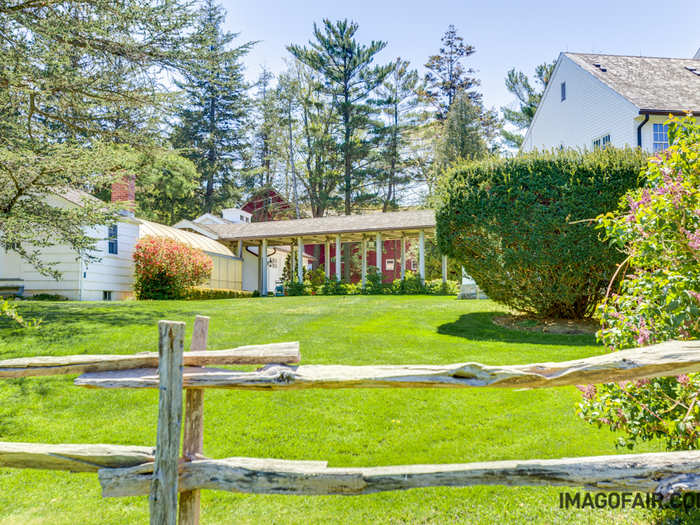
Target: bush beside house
x=658, y=226
x=522, y=227
x=166, y=268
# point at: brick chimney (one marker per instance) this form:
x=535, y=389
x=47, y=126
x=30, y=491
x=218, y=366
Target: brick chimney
x=124, y=191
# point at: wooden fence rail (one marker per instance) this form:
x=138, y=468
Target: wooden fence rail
x=164, y=472
x=633, y=472
x=665, y=359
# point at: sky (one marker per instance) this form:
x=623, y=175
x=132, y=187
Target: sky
x=505, y=34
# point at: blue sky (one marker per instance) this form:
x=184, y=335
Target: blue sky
x=505, y=34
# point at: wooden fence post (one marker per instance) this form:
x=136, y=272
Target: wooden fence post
x=193, y=439
x=163, y=498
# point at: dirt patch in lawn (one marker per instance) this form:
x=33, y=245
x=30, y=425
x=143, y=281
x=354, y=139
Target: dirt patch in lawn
x=548, y=326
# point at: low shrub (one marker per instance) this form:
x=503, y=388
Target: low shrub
x=197, y=293
x=46, y=297
x=166, y=268
x=521, y=226
x=658, y=226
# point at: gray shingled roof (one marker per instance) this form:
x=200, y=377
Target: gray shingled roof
x=654, y=84
x=350, y=226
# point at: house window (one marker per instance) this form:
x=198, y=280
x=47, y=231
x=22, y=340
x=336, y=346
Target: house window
x=660, y=137
x=601, y=142
x=563, y=91
x=112, y=244
x=389, y=265
x=106, y=295
x=414, y=265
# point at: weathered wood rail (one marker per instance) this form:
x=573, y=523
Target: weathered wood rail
x=163, y=472
x=665, y=359
x=638, y=472
x=79, y=364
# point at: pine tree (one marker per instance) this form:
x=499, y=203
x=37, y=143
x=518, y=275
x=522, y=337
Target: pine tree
x=267, y=132
x=528, y=98
x=446, y=75
x=463, y=135
x=350, y=79
x=212, y=128
x=313, y=136
x=399, y=103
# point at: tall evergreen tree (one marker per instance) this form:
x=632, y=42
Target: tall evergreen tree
x=447, y=76
x=212, y=127
x=399, y=102
x=318, y=132
x=463, y=135
x=267, y=131
x=528, y=98
x=350, y=79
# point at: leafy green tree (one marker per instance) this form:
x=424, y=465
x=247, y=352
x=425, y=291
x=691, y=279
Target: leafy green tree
x=349, y=78
x=528, y=98
x=446, y=75
x=67, y=70
x=166, y=186
x=212, y=127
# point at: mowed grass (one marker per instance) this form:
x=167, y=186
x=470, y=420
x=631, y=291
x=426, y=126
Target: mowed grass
x=345, y=427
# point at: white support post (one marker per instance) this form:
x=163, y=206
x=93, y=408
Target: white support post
x=444, y=268
x=403, y=257
x=291, y=262
x=338, y=246
x=364, y=261
x=260, y=268
x=263, y=262
x=421, y=255
x=378, y=248
x=300, y=259
x=327, y=259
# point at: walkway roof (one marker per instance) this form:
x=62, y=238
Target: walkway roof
x=191, y=239
x=392, y=225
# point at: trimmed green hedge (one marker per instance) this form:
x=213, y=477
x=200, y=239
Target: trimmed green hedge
x=410, y=285
x=215, y=293
x=521, y=226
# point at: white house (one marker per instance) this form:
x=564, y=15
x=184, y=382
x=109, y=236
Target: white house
x=594, y=100
x=111, y=277
x=251, y=280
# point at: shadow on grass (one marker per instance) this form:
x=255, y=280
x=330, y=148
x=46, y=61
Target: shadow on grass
x=479, y=326
x=62, y=321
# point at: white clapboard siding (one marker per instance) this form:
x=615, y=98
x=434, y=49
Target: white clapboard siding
x=113, y=273
x=591, y=110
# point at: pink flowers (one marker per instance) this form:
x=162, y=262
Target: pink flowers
x=644, y=334
x=588, y=391
x=165, y=268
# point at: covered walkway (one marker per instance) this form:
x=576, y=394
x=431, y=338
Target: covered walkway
x=363, y=229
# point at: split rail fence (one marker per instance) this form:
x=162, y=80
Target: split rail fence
x=164, y=473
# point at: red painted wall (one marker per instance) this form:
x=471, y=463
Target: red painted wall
x=392, y=250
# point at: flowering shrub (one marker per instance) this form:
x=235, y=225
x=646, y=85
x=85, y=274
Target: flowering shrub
x=166, y=268
x=658, y=226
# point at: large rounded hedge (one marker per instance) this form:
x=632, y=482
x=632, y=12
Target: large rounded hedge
x=521, y=226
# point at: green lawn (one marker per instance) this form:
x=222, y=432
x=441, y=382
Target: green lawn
x=344, y=427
